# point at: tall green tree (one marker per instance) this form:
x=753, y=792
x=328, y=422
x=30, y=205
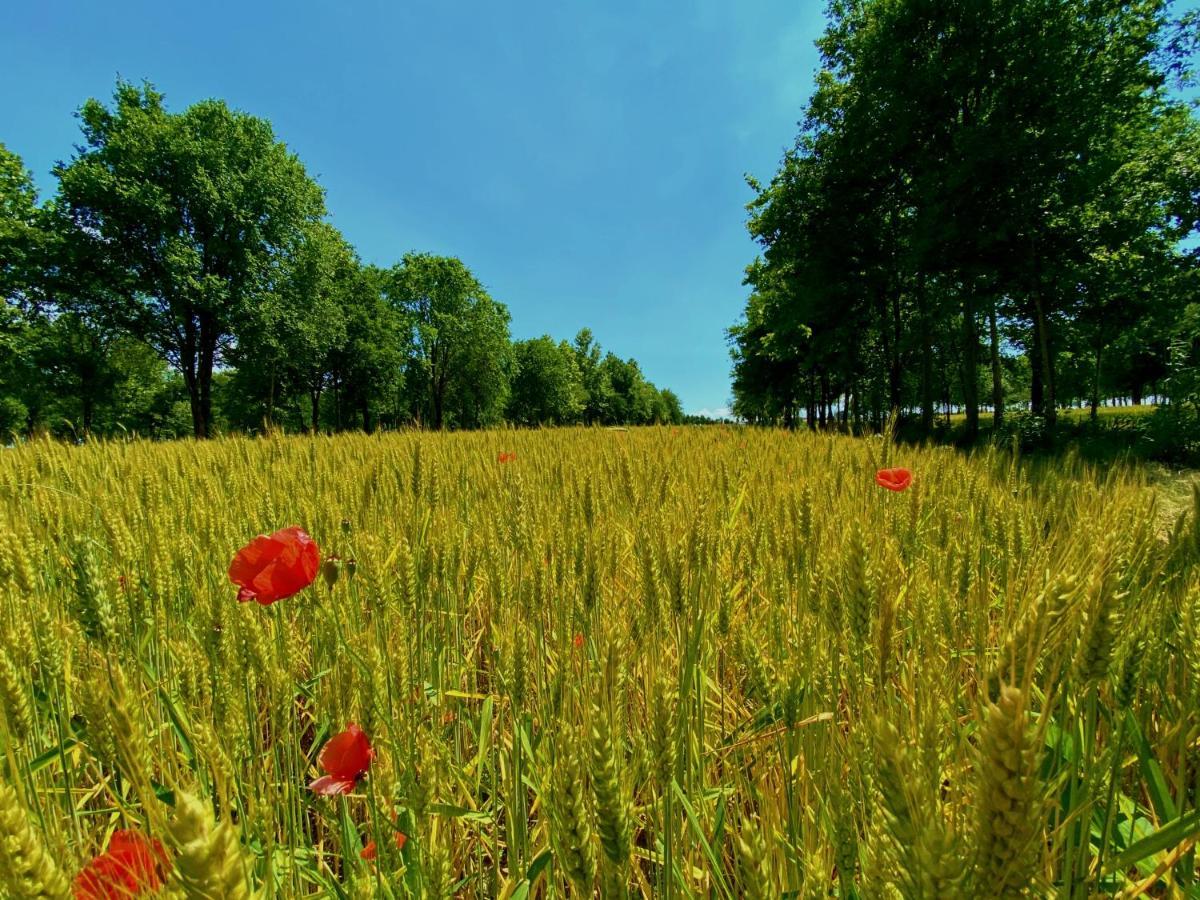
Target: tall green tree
x=19, y=245
x=369, y=367
x=20, y=231
x=298, y=330
x=633, y=397
x=966, y=170
x=547, y=387
x=671, y=406
x=597, y=390
x=182, y=215
x=460, y=336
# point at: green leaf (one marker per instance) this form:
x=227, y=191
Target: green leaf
x=714, y=864
x=1170, y=835
x=1156, y=782
x=460, y=812
x=44, y=759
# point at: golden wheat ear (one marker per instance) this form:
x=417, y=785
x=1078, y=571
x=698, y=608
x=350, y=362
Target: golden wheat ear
x=1008, y=798
x=27, y=871
x=208, y=856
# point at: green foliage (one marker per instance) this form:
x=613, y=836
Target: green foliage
x=973, y=180
x=176, y=223
x=547, y=388
x=19, y=239
x=458, y=375
x=378, y=340
x=195, y=242
x=293, y=334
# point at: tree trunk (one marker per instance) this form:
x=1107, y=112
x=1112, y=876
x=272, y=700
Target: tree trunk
x=271, y=398
x=1096, y=386
x=188, y=368
x=926, y=365
x=997, y=380
x=365, y=408
x=1036, y=383
x=946, y=387
x=204, y=373
x=894, y=373
x=1135, y=393
x=1049, y=401
x=970, y=366
x=439, y=396
x=189, y=380
x=315, y=396
x=89, y=405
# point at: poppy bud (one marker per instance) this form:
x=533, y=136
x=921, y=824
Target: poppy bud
x=345, y=526
x=329, y=571
x=351, y=567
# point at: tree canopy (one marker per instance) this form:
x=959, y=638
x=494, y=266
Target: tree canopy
x=184, y=277
x=984, y=206
x=183, y=217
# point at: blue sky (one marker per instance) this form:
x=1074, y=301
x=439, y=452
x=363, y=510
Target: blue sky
x=586, y=160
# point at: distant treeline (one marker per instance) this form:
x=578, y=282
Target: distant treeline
x=988, y=205
x=183, y=280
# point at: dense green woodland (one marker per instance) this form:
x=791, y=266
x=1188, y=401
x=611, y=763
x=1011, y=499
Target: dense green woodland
x=990, y=205
x=184, y=280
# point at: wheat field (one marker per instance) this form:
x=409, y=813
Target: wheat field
x=695, y=662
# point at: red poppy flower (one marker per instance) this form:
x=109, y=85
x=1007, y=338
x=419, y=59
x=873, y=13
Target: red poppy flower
x=370, y=851
x=578, y=640
x=345, y=758
x=272, y=567
x=893, y=479
x=133, y=865
x=506, y=456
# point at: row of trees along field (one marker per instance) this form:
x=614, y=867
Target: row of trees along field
x=988, y=202
x=184, y=279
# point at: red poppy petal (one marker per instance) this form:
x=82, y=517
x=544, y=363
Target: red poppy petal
x=249, y=561
x=264, y=584
x=347, y=755
x=127, y=839
x=893, y=479
x=329, y=786
x=368, y=852
x=279, y=580
x=128, y=868
x=310, y=559
x=292, y=567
